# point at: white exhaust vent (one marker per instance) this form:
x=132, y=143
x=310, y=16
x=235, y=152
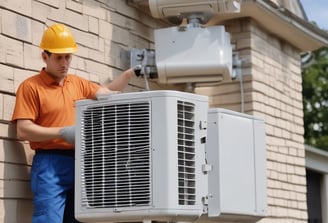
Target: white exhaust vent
x=139, y=157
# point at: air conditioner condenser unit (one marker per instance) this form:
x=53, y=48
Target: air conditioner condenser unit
x=139, y=157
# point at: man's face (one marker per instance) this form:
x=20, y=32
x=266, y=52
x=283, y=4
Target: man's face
x=57, y=64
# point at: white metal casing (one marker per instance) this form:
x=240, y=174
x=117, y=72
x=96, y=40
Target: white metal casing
x=193, y=55
x=139, y=157
x=235, y=148
x=174, y=8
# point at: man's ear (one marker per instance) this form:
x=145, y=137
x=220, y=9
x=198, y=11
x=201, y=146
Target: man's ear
x=44, y=57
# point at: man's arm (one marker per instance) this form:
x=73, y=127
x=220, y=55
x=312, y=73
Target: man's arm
x=120, y=82
x=28, y=130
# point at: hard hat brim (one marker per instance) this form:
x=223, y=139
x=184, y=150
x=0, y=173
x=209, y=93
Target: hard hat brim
x=63, y=50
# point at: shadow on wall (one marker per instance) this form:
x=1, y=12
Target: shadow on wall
x=16, y=158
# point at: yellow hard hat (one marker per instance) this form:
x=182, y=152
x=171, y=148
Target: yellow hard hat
x=58, y=39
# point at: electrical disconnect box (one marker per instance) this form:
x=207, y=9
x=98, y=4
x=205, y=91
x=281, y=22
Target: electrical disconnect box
x=236, y=150
x=193, y=54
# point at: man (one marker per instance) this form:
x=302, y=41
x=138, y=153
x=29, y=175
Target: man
x=44, y=114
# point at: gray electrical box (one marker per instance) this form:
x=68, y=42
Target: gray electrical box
x=193, y=54
x=235, y=149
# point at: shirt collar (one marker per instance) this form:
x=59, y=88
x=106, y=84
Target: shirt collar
x=49, y=80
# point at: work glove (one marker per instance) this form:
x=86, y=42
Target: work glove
x=68, y=134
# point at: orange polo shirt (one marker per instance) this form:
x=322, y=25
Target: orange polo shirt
x=40, y=99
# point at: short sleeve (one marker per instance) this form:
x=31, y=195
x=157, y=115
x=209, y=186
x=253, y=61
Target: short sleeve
x=89, y=88
x=27, y=103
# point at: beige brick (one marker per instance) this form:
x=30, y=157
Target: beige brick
x=124, y=9
x=233, y=26
x=11, y=51
x=109, y=5
x=80, y=57
x=243, y=44
x=120, y=35
x=80, y=63
x=1, y=106
x=52, y=3
x=94, y=78
x=16, y=152
x=8, y=103
x=112, y=54
x=93, y=25
x=139, y=42
x=72, y=19
x=122, y=21
x=86, y=39
x=292, y=151
x=112, y=73
x=14, y=172
x=229, y=87
x=32, y=57
x=96, y=68
x=20, y=75
x=7, y=131
x=92, y=8
x=37, y=33
x=40, y=11
x=16, y=210
x=97, y=55
x=21, y=28
x=74, y=6
x=15, y=189
x=105, y=30
x=6, y=79
x=22, y=7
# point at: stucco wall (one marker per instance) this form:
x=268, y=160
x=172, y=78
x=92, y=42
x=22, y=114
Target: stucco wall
x=104, y=29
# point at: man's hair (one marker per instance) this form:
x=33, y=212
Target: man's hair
x=47, y=52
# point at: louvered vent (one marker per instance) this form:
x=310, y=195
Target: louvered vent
x=115, y=155
x=186, y=153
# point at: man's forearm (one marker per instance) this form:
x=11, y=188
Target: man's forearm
x=27, y=130
x=120, y=82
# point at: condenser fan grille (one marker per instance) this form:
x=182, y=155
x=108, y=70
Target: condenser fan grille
x=186, y=153
x=115, y=155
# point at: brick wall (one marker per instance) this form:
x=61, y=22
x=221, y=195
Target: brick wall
x=104, y=29
x=272, y=89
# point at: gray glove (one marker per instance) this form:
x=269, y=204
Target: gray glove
x=137, y=70
x=68, y=134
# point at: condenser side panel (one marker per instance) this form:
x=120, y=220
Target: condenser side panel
x=236, y=150
x=260, y=167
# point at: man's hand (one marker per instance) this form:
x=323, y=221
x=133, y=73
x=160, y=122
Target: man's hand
x=137, y=70
x=68, y=134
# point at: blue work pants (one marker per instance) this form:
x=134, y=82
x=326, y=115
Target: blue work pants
x=52, y=183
